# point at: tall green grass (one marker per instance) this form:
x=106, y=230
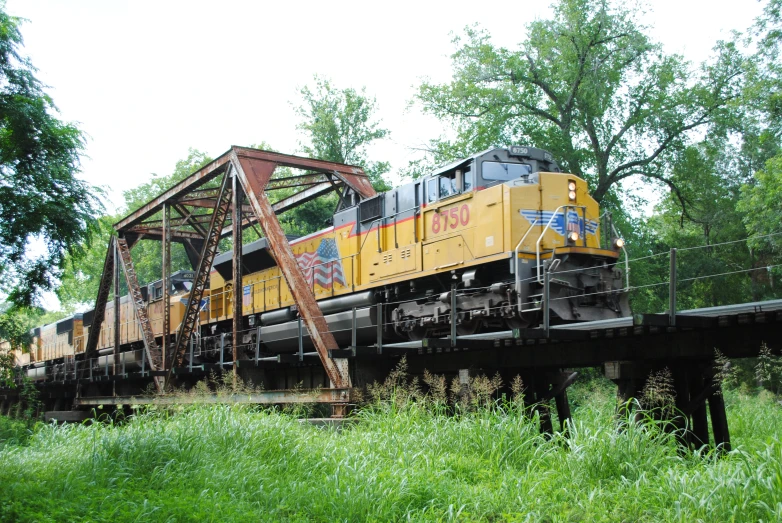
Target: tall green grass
x=399, y=462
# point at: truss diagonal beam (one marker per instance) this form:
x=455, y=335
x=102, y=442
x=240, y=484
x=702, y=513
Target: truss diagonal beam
x=166, y=264
x=192, y=219
x=150, y=346
x=208, y=252
x=100, y=303
x=302, y=197
x=195, y=180
x=353, y=177
x=238, y=288
x=254, y=175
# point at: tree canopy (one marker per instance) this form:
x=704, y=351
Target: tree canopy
x=80, y=280
x=590, y=86
x=46, y=211
x=338, y=125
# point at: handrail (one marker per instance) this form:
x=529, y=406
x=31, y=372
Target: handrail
x=627, y=258
x=624, y=250
x=537, y=244
x=516, y=262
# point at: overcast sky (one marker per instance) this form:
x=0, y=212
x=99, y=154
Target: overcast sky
x=146, y=80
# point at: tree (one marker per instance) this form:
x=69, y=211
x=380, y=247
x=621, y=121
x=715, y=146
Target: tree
x=761, y=203
x=41, y=199
x=588, y=85
x=767, y=80
x=80, y=280
x=16, y=324
x=338, y=125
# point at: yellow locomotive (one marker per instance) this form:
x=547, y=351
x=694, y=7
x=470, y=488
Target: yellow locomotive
x=486, y=228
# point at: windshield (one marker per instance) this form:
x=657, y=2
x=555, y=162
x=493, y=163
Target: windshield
x=505, y=171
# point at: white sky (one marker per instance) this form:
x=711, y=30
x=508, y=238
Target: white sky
x=146, y=80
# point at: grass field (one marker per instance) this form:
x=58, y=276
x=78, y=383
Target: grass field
x=222, y=463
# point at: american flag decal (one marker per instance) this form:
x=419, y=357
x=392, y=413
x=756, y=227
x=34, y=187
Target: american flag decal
x=247, y=297
x=324, y=264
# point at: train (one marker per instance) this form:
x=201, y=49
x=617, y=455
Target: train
x=487, y=234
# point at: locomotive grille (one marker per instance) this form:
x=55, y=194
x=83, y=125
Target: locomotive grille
x=371, y=209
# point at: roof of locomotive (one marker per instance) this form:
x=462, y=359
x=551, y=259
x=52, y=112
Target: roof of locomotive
x=505, y=153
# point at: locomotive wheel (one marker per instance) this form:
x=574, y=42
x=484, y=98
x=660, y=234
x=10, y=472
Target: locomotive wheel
x=468, y=327
x=416, y=334
x=520, y=323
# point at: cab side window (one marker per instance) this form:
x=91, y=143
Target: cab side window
x=447, y=186
x=467, y=177
x=431, y=190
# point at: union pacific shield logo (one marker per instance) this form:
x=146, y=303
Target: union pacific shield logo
x=559, y=223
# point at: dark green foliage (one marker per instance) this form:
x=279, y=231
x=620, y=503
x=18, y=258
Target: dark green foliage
x=40, y=195
x=29, y=401
x=16, y=324
x=338, y=125
x=81, y=278
x=13, y=432
x=590, y=86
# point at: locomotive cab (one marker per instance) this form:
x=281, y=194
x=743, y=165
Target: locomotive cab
x=520, y=165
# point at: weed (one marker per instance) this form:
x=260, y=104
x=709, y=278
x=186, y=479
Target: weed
x=402, y=460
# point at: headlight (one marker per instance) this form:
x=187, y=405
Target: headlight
x=572, y=236
x=571, y=185
x=619, y=243
x=572, y=195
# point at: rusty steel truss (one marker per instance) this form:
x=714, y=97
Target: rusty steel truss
x=240, y=189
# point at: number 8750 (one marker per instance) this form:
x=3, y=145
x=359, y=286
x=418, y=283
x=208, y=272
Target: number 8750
x=450, y=218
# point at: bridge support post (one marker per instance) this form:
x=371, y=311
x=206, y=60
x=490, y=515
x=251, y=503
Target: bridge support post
x=694, y=388
x=719, y=420
x=552, y=386
x=672, y=290
x=681, y=418
x=700, y=422
x=563, y=411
